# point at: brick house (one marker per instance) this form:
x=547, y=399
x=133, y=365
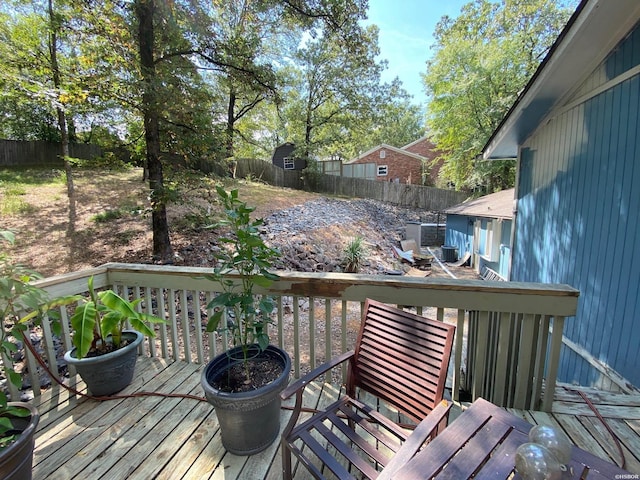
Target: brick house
x=426, y=149
x=402, y=165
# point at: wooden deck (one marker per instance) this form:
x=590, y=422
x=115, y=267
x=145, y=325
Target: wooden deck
x=178, y=438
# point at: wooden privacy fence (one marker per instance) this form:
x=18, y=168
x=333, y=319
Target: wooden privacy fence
x=269, y=173
x=14, y=153
x=414, y=196
x=508, y=334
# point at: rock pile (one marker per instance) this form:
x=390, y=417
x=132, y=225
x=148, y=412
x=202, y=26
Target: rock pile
x=312, y=236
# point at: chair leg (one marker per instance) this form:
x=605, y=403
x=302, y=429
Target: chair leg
x=287, y=474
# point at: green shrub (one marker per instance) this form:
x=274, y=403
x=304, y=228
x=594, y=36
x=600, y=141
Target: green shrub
x=108, y=215
x=353, y=255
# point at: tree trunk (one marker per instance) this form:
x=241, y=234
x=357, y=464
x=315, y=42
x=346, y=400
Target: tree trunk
x=62, y=121
x=307, y=138
x=162, y=251
x=231, y=108
x=308, y=127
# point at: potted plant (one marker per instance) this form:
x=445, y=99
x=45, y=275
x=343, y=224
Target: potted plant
x=244, y=383
x=104, y=353
x=18, y=420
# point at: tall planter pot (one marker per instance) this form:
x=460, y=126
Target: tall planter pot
x=16, y=460
x=249, y=421
x=108, y=374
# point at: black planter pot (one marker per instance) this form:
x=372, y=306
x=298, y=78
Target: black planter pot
x=16, y=460
x=249, y=421
x=108, y=374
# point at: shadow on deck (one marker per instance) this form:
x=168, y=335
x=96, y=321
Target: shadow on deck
x=172, y=437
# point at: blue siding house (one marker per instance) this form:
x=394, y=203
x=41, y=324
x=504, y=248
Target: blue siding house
x=482, y=229
x=575, y=131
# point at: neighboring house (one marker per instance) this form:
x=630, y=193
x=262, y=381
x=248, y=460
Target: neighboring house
x=427, y=150
x=575, y=130
x=283, y=157
x=482, y=228
x=408, y=164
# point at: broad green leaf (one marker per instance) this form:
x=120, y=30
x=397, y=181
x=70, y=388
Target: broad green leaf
x=8, y=236
x=222, y=300
x=262, y=281
x=214, y=321
x=267, y=305
x=9, y=346
x=140, y=324
x=15, y=378
x=5, y=425
x=50, y=305
x=83, y=322
x=271, y=276
x=19, y=412
x=111, y=323
x=115, y=302
x=263, y=341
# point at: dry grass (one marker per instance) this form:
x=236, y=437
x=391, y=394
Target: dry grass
x=112, y=222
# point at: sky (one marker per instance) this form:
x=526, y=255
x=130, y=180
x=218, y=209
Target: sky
x=406, y=34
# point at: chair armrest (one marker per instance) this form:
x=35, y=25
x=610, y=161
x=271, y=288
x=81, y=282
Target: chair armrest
x=426, y=428
x=312, y=375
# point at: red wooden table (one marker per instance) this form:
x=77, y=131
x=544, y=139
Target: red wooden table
x=481, y=443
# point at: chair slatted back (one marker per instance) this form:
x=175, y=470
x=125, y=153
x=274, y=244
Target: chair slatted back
x=401, y=358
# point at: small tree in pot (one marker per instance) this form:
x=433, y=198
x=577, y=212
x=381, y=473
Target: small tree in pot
x=244, y=383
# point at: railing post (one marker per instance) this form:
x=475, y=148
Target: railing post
x=554, y=362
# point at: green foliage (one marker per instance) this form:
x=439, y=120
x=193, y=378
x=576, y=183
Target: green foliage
x=109, y=162
x=107, y=216
x=128, y=208
x=334, y=92
x=354, y=255
x=16, y=295
x=21, y=178
x=6, y=413
x=15, y=183
x=311, y=175
x=483, y=59
x=14, y=205
x=242, y=264
x=104, y=315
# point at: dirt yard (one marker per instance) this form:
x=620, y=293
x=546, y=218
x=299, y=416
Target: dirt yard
x=112, y=224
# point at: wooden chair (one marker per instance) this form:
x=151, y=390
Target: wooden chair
x=400, y=358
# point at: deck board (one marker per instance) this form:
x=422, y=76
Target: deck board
x=179, y=438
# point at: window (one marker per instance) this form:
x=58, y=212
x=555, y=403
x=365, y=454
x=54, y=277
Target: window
x=382, y=170
x=383, y=154
x=289, y=163
x=494, y=232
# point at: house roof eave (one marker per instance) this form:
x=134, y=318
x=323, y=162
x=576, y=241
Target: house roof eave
x=495, y=205
x=388, y=147
x=592, y=31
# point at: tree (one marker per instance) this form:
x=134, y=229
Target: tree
x=144, y=11
x=197, y=43
x=27, y=103
x=253, y=40
x=396, y=121
x=55, y=26
x=143, y=65
x=333, y=91
x=482, y=60
x=36, y=68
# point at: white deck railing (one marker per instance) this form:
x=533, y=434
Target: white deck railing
x=508, y=335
